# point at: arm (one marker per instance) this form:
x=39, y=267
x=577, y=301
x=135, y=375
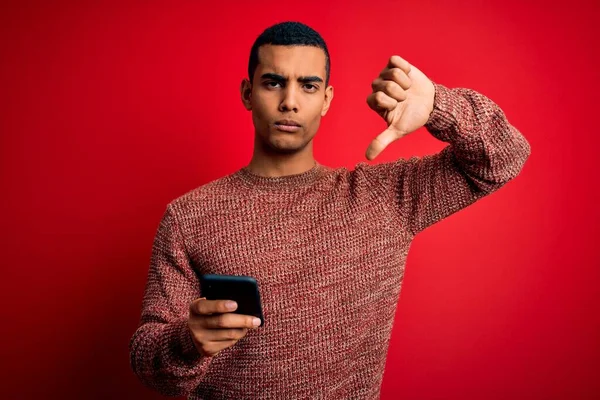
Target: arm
x=485, y=152
x=162, y=352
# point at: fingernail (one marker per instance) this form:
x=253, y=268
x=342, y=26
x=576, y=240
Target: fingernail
x=256, y=321
x=230, y=304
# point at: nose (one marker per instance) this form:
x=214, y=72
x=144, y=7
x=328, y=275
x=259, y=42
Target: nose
x=289, y=102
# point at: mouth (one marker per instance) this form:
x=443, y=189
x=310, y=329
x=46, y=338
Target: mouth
x=287, y=125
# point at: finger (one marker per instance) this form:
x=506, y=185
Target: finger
x=225, y=335
x=390, y=88
x=230, y=321
x=379, y=101
x=398, y=76
x=380, y=143
x=202, y=306
x=399, y=62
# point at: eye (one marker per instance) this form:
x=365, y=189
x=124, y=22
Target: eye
x=272, y=84
x=311, y=87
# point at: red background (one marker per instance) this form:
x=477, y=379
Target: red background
x=110, y=111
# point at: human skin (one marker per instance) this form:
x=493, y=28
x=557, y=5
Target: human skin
x=288, y=86
x=214, y=326
x=294, y=91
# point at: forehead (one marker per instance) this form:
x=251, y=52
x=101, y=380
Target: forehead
x=291, y=60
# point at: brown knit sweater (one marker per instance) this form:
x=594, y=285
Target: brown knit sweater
x=328, y=249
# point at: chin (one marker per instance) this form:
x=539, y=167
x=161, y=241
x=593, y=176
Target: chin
x=286, y=145
x=286, y=148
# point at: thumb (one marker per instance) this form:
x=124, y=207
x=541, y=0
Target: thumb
x=381, y=142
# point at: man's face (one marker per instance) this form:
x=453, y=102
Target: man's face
x=287, y=97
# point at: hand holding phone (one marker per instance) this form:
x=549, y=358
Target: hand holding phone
x=215, y=327
x=239, y=288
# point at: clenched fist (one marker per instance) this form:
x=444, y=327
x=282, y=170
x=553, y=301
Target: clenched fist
x=403, y=96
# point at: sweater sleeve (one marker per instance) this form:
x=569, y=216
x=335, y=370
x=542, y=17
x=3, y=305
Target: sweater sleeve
x=162, y=353
x=485, y=152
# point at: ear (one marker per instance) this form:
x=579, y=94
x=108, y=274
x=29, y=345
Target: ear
x=246, y=93
x=328, y=98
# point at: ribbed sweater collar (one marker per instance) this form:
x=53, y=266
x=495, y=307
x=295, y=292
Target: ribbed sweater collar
x=286, y=183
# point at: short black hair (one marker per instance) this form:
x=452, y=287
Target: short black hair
x=288, y=33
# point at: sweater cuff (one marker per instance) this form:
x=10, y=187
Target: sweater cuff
x=189, y=352
x=448, y=111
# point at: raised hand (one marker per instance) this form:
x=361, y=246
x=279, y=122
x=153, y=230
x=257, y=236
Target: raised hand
x=403, y=96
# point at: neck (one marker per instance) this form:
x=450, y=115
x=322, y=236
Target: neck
x=277, y=165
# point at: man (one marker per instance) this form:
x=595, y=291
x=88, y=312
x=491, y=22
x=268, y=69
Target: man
x=327, y=246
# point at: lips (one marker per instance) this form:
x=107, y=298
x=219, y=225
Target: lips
x=287, y=125
x=287, y=122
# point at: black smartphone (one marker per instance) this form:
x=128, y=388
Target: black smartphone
x=241, y=289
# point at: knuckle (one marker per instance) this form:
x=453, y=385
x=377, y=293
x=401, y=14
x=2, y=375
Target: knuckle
x=380, y=97
x=221, y=322
x=389, y=86
x=375, y=84
x=193, y=324
x=208, y=322
x=201, y=322
x=194, y=335
x=228, y=334
x=199, y=306
x=372, y=103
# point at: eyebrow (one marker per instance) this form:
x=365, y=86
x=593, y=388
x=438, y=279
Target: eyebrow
x=301, y=79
